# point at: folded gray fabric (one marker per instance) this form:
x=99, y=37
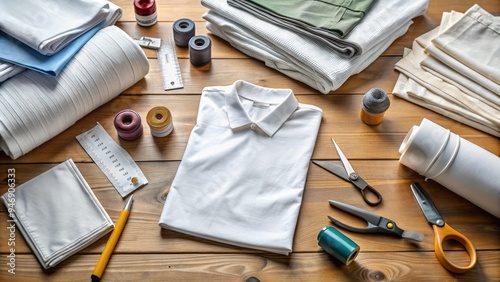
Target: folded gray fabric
x=49, y=26
x=324, y=21
x=307, y=60
x=57, y=213
x=35, y=107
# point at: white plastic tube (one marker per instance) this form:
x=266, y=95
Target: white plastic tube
x=459, y=165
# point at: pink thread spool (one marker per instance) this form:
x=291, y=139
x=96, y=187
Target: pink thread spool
x=145, y=12
x=128, y=124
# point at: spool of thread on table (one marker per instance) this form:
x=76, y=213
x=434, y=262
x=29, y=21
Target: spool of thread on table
x=160, y=121
x=200, y=52
x=337, y=245
x=184, y=30
x=128, y=124
x=145, y=12
x=375, y=104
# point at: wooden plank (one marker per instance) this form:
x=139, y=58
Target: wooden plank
x=397, y=266
x=340, y=121
x=225, y=71
x=143, y=234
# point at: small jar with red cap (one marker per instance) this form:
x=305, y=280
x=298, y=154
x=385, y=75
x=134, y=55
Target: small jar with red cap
x=145, y=12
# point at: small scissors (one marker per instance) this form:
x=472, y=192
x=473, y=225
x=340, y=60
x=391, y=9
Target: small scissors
x=376, y=223
x=348, y=174
x=443, y=232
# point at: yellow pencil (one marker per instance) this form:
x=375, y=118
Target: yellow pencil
x=113, y=239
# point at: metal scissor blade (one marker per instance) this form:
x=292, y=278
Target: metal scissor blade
x=345, y=162
x=334, y=168
x=428, y=208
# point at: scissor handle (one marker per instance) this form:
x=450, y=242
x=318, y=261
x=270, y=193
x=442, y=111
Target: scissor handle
x=444, y=233
x=372, y=191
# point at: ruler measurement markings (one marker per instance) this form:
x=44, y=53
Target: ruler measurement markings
x=113, y=160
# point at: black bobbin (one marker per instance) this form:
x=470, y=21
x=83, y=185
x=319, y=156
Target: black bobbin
x=183, y=31
x=200, y=50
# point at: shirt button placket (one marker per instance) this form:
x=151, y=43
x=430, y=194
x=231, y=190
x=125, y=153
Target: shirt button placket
x=253, y=126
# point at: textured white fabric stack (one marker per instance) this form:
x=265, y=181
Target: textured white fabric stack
x=35, y=107
x=304, y=59
x=446, y=73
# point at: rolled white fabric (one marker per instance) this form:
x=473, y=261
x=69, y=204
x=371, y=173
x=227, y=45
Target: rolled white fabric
x=35, y=107
x=48, y=26
x=459, y=165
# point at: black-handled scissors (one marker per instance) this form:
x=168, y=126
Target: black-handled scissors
x=376, y=223
x=348, y=174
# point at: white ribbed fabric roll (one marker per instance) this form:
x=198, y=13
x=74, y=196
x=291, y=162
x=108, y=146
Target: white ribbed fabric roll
x=35, y=107
x=306, y=60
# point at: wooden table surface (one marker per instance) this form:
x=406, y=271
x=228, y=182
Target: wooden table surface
x=145, y=252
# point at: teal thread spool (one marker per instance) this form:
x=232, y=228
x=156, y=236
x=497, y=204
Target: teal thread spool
x=337, y=245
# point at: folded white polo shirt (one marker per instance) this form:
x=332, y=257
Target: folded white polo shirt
x=242, y=176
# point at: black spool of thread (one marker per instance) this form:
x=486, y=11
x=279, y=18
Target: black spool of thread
x=183, y=31
x=200, y=50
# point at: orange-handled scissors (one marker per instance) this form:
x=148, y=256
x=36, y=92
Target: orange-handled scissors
x=443, y=232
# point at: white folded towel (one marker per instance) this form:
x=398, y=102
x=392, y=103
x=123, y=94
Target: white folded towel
x=57, y=214
x=48, y=26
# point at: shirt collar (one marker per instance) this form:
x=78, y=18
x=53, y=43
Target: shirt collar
x=275, y=118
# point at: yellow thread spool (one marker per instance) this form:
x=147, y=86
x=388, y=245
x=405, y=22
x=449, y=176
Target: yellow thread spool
x=160, y=121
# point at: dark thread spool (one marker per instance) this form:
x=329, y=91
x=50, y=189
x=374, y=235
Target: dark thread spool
x=337, y=245
x=128, y=124
x=200, y=50
x=375, y=104
x=184, y=30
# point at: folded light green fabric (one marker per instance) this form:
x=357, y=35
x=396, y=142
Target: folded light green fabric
x=339, y=16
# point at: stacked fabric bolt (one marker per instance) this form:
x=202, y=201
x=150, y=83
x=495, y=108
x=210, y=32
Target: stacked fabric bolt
x=305, y=58
x=45, y=35
x=455, y=69
x=35, y=107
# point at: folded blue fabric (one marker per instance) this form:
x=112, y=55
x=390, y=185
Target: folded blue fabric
x=16, y=52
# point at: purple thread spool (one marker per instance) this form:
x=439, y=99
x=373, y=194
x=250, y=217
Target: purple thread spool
x=128, y=124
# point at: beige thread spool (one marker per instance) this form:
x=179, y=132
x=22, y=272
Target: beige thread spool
x=160, y=121
x=375, y=104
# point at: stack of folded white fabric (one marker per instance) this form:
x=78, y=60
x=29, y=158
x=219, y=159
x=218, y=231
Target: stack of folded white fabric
x=455, y=69
x=306, y=59
x=45, y=35
x=76, y=61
